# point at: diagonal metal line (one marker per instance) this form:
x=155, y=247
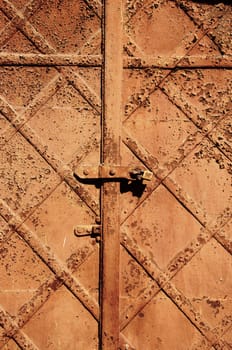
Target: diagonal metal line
x=40, y=297
x=165, y=285
x=184, y=256
x=135, y=46
x=187, y=202
x=14, y=222
x=54, y=264
x=142, y=95
x=64, y=171
x=149, y=191
x=41, y=43
x=227, y=151
x=208, y=128
x=8, y=131
x=174, y=266
x=151, y=163
x=162, y=282
x=47, y=289
x=79, y=83
x=18, y=120
x=16, y=17
x=12, y=330
x=225, y=243
x=214, y=21
x=191, y=112
x=224, y=326
x=177, y=62
x=82, y=87
x=124, y=343
x=221, y=345
x=201, y=35
x=86, y=45
x=84, y=151
x=5, y=231
x=137, y=5
x=133, y=142
x=95, y=6
x=140, y=152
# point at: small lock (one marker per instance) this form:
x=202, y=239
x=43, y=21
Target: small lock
x=141, y=175
x=147, y=175
x=136, y=174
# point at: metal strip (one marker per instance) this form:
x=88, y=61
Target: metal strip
x=111, y=131
x=52, y=261
x=17, y=18
x=181, y=62
x=163, y=281
x=41, y=43
x=64, y=171
x=7, y=58
x=12, y=331
x=163, y=62
x=96, y=6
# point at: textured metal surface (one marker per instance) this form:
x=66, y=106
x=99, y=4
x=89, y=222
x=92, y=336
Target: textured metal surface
x=176, y=280
x=110, y=210
x=165, y=248
x=50, y=122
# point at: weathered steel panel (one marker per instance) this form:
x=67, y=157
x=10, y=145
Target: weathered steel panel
x=50, y=123
x=177, y=98
x=121, y=85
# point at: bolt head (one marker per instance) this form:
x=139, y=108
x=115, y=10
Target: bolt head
x=98, y=220
x=112, y=172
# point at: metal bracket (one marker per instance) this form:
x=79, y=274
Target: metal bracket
x=106, y=172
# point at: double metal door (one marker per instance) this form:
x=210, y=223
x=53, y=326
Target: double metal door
x=115, y=175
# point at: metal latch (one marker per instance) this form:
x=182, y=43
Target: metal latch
x=93, y=231
x=106, y=172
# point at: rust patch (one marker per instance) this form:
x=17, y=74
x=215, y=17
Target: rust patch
x=214, y=303
x=75, y=259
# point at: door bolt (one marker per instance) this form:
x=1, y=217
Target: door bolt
x=87, y=230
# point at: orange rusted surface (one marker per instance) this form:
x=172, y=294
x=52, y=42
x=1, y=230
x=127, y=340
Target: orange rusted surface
x=134, y=84
x=50, y=123
x=176, y=282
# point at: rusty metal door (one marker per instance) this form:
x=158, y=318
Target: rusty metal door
x=94, y=98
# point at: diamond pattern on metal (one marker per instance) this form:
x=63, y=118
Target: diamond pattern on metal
x=206, y=114
x=42, y=179
x=175, y=232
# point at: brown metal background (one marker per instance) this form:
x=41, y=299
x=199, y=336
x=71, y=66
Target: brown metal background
x=175, y=252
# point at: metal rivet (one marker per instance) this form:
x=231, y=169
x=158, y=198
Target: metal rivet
x=98, y=220
x=112, y=172
x=98, y=239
